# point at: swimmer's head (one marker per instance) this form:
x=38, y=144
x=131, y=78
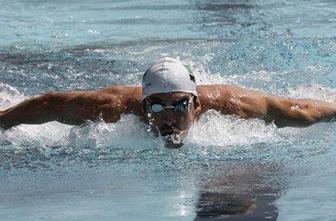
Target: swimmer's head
x=168, y=75
x=170, y=99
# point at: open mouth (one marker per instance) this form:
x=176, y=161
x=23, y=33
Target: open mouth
x=165, y=133
x=173, y=141
x=172, y=136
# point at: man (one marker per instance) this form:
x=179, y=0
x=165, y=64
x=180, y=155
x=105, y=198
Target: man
x=169, y=101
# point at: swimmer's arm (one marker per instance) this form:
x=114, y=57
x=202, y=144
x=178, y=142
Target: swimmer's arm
x=73, y=108
x=282, y=111
x=254, y=104
x=298, y=112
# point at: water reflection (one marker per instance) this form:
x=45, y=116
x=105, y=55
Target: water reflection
x=225, y=13
x=241, y=192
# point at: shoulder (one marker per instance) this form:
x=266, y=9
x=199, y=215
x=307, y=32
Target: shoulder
x=214, y=93
x=121, y=90
x=204, y=90
x=126, y=96
x=231, y=99
x=222, y=91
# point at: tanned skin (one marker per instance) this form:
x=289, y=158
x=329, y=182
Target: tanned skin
x=75, y=108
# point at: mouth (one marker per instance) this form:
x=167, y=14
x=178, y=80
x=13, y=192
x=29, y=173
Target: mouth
x=172, y=136
x=173, y=141
x=166, y=133
x=168, y=130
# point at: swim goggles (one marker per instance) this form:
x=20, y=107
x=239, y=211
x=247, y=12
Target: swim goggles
x=182, y=107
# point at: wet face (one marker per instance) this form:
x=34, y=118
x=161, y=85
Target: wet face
x=171, y=115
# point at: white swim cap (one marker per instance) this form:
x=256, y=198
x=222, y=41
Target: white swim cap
x=168, y=75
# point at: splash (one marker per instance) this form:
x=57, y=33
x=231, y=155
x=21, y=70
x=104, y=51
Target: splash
x=9, y=96
x=314, y=91
x=215, y=129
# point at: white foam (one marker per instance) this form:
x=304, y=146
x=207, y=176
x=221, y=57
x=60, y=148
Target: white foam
x=9, y=96
x=215, y=129
x=128, y=132
x=314, y=91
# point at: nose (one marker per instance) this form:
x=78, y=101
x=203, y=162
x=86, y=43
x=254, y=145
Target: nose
x=169, y=116
x=169, y=121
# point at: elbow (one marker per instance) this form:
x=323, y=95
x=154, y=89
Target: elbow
x=286, y=113
x=295, y=119
x=280, y=123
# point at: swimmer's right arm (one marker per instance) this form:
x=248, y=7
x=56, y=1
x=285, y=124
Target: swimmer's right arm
x=73, y=108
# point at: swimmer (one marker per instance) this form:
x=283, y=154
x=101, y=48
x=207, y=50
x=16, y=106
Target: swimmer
x=169, y=101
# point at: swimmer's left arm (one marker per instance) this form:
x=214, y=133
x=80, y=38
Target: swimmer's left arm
x=298, y=112
x=280, y=110
x=254, y=104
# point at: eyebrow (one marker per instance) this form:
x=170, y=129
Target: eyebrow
x=160, y=101
x=154, y=99
x=185, y=98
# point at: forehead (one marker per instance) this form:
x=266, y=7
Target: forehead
x=170, y=96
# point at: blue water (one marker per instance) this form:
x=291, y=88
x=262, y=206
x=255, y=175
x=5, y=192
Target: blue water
x=229, y=168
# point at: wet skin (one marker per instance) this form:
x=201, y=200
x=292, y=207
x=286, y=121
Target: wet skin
x=75, y=108
x=169, y=123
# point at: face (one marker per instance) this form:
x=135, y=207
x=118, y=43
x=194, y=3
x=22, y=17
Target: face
x=171, y=114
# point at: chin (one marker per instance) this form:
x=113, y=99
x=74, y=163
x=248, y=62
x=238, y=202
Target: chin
x=172, y=145
x=173, y=141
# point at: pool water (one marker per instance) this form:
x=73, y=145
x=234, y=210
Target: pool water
x=228, y=169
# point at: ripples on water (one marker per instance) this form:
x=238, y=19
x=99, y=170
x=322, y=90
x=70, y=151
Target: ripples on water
x=282, y=47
